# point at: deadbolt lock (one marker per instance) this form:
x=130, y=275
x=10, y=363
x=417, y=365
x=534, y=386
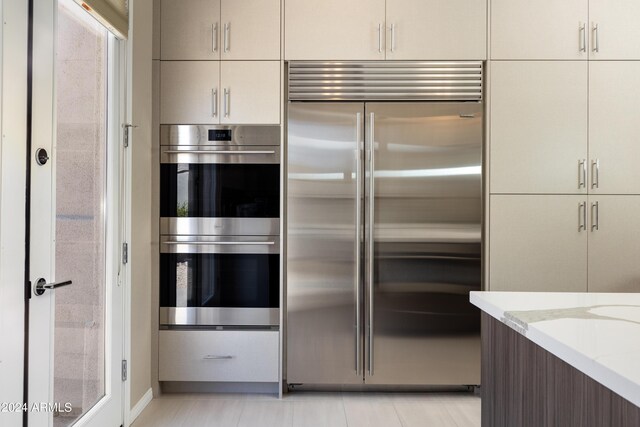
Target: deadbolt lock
x=41, y=156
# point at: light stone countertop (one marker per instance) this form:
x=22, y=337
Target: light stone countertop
x=597, y=333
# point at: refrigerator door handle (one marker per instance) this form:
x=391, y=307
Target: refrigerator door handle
x=356, y=280
x=372, y=147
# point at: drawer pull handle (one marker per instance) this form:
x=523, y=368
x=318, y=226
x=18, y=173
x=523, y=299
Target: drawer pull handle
x=583, y=37
x=595, y=218
x=595, y=176
x=219, y=151
x=176, y=242
x=216, y=357
x=582, y=173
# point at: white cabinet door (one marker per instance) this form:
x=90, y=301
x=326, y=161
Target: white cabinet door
x=436, y=29
x=189, y=91
x=334, y=29
x=250, y=92
x=190, y=29
x=538, y=126
x=618, y=29
x=536, y=245
x=541, y=29
x=614, y=244
x=250, y=29
x=614, y=127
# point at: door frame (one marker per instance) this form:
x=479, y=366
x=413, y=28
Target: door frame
x=14, y=64
x=13, y=116
x=44, y=118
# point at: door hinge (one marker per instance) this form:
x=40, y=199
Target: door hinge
x=125, y=253
x=124, y=370
x=127, y=129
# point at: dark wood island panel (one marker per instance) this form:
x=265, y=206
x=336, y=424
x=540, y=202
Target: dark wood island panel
x=525, y=385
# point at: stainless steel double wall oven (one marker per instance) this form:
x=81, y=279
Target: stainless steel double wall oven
x=219, y=225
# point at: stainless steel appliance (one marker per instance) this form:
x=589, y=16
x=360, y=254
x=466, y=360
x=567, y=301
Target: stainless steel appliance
x=219, y=225
x=219, y=180
x=384, y=215
x=219, y=280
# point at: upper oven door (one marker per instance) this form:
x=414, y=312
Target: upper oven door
x=218, y=189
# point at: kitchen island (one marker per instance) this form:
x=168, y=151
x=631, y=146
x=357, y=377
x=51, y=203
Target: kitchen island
x=560, y=359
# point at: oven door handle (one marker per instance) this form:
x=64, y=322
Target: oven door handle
x=175, y=242
x=218, y=152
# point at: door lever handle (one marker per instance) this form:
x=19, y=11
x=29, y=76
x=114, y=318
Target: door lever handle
x=42, y=285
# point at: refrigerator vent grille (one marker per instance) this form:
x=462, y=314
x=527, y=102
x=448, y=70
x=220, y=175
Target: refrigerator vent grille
x=385, y=81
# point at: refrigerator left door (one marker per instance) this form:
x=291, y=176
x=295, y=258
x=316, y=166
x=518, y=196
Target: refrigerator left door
x=324, y=168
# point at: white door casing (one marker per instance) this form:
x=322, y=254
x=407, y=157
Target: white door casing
x=13, y=109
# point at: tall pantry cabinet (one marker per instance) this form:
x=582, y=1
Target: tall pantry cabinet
x=215, y=62
x=565, y=138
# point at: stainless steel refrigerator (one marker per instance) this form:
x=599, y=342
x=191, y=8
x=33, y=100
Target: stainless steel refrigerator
x=384, y=220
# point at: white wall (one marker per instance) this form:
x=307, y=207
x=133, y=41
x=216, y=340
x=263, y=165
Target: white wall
x=141, y=18
x=155, y=201
x=13, y=109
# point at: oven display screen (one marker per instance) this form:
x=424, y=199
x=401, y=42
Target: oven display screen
x=219, y=134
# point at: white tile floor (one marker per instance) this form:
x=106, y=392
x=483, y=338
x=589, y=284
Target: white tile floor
x=307, y=409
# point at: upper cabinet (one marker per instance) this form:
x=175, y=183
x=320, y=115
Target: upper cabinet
x=247, y=99
x=614, y=128
x=538, y=124
x=334, y=30
x=213, y=92
x=189, y=29
x=615, y=32
x=541, y=29
x=567, y=29
x=391, y=29
x=436, y=29
x=250, y=29
x=211, y=29
x=189, y=92
x=564, y=127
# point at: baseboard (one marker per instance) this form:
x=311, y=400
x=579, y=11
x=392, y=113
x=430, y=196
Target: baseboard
x=218, y=387
x=137, y=409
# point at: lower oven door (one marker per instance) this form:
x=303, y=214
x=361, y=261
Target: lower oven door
x=219, y=280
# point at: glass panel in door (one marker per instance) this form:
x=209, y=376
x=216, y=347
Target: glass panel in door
x=230, y=280
x=80, y=192
x=427, y=169
x=232, y=190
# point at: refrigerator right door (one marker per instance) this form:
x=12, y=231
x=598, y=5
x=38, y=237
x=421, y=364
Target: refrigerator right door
x=423, y=253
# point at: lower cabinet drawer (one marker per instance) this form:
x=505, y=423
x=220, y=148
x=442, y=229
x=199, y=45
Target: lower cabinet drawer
x=233, y=356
